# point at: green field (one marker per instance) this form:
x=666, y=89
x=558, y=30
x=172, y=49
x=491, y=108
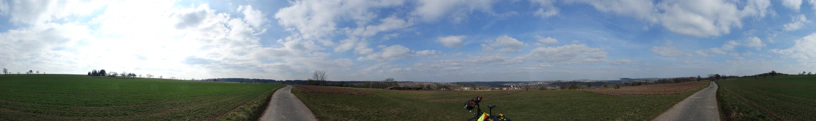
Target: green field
x=517, y=105
x=780, y=98
x=75, y=97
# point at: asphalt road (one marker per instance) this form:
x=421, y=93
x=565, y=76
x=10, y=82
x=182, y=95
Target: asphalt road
x=700, y=106
x=284, y=106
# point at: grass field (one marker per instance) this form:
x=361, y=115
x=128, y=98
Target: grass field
x=76, y=97
x=781, y=98
x=517, y=105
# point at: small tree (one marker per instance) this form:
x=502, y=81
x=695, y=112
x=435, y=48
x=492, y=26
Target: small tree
x=5, y=71
x=320, y=77
x=102, y=73
x=391, y=82
x=589, y=85
x=574, y=85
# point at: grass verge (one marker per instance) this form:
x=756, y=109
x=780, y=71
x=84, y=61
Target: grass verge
x=251, y=111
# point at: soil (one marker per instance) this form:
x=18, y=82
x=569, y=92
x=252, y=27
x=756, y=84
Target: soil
x=329, y=90
x=656, y=89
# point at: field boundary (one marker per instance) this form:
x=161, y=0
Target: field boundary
x=301, y=101
x=252, y=116
x=681, y=100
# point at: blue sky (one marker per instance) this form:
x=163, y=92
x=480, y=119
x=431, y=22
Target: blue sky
x=417, y=40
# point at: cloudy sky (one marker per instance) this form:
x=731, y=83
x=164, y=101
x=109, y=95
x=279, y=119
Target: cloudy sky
x=420, y=40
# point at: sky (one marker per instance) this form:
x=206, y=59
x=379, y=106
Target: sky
x=410, y=40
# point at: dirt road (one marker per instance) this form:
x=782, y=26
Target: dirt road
x=700, y=106
x=284, y=106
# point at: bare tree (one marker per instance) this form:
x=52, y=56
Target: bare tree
x=391, y=82
x=5, y=71
x=319, y=76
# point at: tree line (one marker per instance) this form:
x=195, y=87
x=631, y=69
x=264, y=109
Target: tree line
x=5, y=71
x=104, y=73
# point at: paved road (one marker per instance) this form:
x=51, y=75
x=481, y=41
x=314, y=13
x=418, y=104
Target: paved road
x=700, y=106
x=284, y=106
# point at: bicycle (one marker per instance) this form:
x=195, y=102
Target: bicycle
x=483, y=116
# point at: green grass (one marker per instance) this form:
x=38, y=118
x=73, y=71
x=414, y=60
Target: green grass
x=76, y=97
x=780, y=98
x=517, y=105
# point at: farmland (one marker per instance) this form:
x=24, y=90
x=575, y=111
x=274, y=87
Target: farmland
x=377, y=104
x=74, y=97
x=779, y=98
x=655, y=89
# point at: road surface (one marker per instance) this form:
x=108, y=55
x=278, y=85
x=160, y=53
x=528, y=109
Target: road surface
x=284, y=106
x=700, y=106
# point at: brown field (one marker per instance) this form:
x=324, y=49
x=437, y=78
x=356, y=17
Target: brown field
x=329, y=90
x=657, y=89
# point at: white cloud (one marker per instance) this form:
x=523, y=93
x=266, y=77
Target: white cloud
x=622, y=61
x=362, y=48
x=345, y=45
x=386, y=24
x=813, y=3
x=432, y=10
x=792, y=4
x=668, y=49
x=803, y=50
x=716, y=50
x=253, y=17
x=451, y=41
x=572, y=53
x=547, y=8
x=434, y=66
x=754, y=42
x=639, y=9
x=700, y=18
x=544, y=14
x=797, y=22
x=315, y=19
x=492, y=59
x=542, y=41
x=506, y=43
x=393, y=52
x=39, y=11
x=702, y=53
x=730, y=45
x=426, y=52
